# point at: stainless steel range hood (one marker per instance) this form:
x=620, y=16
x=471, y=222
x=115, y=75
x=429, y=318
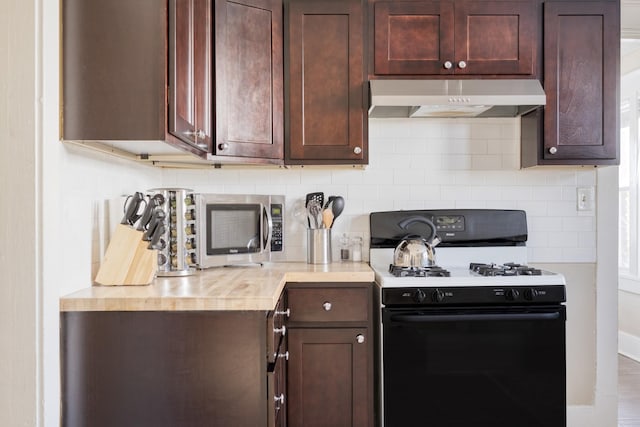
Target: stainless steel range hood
x=454, y=98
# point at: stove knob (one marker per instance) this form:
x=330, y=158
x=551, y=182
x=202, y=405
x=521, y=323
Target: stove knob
x=530, y=294
x=419, y=295
x=512, y=294
x=437, y=296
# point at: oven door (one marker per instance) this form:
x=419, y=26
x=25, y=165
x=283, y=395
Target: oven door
x=498, y=367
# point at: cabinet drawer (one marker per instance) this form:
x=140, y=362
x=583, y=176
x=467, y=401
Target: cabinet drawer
x=328, y=304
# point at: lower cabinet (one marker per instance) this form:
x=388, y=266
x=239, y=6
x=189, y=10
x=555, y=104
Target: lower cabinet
x=167, y=369
x=331, y=355
x=309, y=362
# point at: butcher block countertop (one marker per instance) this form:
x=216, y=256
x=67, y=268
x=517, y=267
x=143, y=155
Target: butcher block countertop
x=224, y=288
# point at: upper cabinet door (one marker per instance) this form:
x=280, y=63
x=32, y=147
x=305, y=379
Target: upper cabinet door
x=455, y=37
x=326, y=82
x=413, y=37
x=249, y=79
x=581, y=80
x=190, y=107
x=495, y=37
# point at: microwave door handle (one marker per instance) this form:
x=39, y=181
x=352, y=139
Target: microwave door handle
x=268, y=223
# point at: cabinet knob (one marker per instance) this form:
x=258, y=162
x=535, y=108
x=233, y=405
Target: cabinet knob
x=286, y=313
x=326, y=306
x=360, y=338
x=553, y=150
x=462, y=64
x=223, y=146
x=448, y=65
x=357, y=150
x=282, y=330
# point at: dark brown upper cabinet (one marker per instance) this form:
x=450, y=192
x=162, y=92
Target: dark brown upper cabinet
x=118, y=90
x=138, y=79
x=455, y=37
x=580, y=122
x=190, y=39
x=249, y=79
x=325, y=92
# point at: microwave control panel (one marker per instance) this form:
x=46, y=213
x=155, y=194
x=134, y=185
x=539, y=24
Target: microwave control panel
x=277, y=228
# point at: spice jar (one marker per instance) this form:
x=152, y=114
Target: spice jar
x=344, y=248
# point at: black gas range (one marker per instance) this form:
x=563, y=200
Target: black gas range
x=477, y=337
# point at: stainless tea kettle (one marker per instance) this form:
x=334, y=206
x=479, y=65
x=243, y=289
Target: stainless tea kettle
x=416, y=250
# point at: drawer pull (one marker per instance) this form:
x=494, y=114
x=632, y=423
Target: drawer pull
x=286, y=312
x=326, y=306
x=282, y=330
x=359, y=338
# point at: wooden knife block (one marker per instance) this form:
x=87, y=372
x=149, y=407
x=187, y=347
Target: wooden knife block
x=127, y=260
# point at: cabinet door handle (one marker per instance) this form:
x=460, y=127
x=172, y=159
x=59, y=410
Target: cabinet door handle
x=360, y=338
x=357, y=150
x=284, y=355
x=282, y=330
x=286, y=312
x=279, y=399
x=196, y=134
x=223, y=146
x=326, y=306
x=448, y=65
x=462, y=64
x=553, y=150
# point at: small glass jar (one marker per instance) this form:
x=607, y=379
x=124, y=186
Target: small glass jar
x=345, y=249
x=356, y=249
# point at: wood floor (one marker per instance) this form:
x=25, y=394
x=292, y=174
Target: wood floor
x=628, y=392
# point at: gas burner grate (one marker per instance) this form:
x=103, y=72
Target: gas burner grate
x=507, y=269
x=434, y=271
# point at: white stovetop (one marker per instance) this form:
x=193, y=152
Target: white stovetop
x=456, y=261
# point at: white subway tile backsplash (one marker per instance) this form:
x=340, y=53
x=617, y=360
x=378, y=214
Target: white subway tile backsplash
x=486, y=162
x=546, y=193
x=433, y=164
x=563, y=239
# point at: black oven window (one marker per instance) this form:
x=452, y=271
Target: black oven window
x=233, y=229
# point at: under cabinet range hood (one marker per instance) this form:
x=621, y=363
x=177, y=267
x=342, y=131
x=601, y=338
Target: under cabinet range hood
x=454, y=98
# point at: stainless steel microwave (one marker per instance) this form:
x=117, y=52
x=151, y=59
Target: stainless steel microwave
x=212, y=230
x=238, y=229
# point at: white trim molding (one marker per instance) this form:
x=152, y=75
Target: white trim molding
x=630, y=19
x=629, y=345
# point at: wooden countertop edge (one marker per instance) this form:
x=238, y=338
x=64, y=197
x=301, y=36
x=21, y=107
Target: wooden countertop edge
x=86, y=300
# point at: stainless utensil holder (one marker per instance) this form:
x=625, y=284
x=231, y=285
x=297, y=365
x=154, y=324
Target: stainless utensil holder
x=319, y=246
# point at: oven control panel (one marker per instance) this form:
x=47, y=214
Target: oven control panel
x=511, y=295
x=448, y=223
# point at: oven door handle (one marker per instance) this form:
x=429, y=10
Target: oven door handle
x=430, y=318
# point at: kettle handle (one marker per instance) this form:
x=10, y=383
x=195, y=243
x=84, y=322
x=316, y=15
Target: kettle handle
x=413, y=219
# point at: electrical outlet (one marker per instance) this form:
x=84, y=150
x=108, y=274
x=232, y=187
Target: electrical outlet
x=586, y=199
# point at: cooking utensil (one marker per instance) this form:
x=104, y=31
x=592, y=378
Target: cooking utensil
x=337, y=206
x=131, y=206
x=318, y=198
x=315, y=213
x=153, y=203
x=327, y=218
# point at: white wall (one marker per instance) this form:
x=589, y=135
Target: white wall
x=413, y=165
x=19, y=240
